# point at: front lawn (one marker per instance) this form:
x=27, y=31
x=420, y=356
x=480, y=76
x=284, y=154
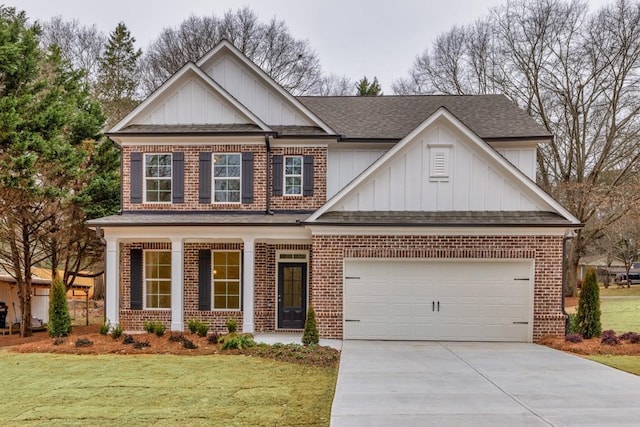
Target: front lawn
x=621, y=315
x=624, y=363
x=162, y=390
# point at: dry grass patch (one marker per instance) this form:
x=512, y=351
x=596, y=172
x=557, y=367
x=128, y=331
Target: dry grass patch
x=624, y=363
x=162, y=390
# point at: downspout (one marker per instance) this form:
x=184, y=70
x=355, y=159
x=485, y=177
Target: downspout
x=565, y=239
x=266, y=186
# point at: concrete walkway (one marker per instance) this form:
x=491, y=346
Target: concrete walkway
x=385, y=383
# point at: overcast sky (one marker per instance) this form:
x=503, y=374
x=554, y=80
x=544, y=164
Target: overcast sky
x=353, y=38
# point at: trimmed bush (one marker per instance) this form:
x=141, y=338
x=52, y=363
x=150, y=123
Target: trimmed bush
x=59, y=320
x=213, y=338
x=310, y=335
x=232, y=325
x=609, y=338
x=588, y=317
x=575, y=338
x=240, y=342
x=188, y=344
x=104, y=328
x=116, y=332
x=629, y=336
x=128, y=339
x=198, y=327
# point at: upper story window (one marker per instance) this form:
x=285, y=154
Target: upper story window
x=157, y=279
x=226, y=178
x=157, y=178
x=293, y=175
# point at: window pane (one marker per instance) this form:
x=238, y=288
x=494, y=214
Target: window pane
x=164, y=197
x=220, y=302
x=233, y=272
x=164, y=301
x=233, y=258
x=233, y=288
x=220, y=288
x=233, y=302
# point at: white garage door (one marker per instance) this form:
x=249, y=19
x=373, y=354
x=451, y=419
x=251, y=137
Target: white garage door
x=462, y=300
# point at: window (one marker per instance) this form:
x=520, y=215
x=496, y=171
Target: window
x=293, y=175
x=157, y=177
x=226, y=178
x=226, y=280
x=157, y=279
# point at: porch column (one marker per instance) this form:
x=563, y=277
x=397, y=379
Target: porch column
x=177, y=298
x=112, y=288
x=248, y=284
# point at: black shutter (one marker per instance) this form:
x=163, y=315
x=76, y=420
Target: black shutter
x=247, y=177
x=205, y=177
x=204, y=280
x=135, y=174
x=136, y=278
x=307, y=176
x=178, y=177
x=277, y=175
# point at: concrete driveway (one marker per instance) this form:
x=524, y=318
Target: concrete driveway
x=383, y=383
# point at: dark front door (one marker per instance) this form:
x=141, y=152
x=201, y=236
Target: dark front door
x=292, y=295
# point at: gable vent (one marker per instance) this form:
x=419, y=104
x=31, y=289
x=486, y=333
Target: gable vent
x=439, y=162
x=439, y=167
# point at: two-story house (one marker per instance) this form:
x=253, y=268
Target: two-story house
x=396, y=217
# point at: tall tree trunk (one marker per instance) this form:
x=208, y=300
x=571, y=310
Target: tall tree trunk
x=25, y=299
x=573, y=259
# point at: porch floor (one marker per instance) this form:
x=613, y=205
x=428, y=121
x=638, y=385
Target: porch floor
x=290, y=338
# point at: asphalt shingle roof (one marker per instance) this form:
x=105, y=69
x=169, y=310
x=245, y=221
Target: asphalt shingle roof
x=393, y=117
x=133, y=218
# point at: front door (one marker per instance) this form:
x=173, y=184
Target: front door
x=292, y=295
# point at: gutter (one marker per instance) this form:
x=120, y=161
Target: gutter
x=266, y=185
x=564, y=280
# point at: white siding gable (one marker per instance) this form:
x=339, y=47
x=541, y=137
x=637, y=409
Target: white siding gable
x=345, y=164
x=522, y=158
x=253, y=92
x=192, y=101
x=465, y=178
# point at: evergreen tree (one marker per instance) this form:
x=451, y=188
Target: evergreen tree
x=118, y=74
x=364, y=88
x=310, y=335
x=59, y=320
x=588, y=317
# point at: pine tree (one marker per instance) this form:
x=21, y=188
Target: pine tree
x=588, y=317
x=59, y=320
x=310, y=335
x=364, y=88
x=118, y=74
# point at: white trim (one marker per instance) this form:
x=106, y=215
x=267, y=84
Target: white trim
x=239, y=55
x=205, y=141
x=213, y=281
x=144, y=174
x=442, y=112
x=218, y=233
x=318, y=230
x=212, y=84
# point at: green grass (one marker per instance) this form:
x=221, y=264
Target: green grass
x=624, y=363
x=614, y=291
x=621, y=315
x=51, y=389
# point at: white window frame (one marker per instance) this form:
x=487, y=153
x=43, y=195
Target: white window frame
x=213, y=176
x=285, y=176
x=213, y=280
x=146, y=178
x=144, y=279
x=439, y=162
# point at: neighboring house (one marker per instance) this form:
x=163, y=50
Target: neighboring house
x=605, y=268
x=396, y=217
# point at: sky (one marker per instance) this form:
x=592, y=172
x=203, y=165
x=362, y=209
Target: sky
x=352, y=38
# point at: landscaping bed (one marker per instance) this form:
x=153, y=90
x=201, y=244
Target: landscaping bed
x=592, y=346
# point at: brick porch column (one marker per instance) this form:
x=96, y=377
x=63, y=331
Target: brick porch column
x=112, y=290
x=248, y=284
x=177, y=273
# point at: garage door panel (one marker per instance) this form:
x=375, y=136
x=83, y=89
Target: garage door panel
x=479, y=300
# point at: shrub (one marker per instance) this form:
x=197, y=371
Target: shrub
x=160, y=329
x=116, y=332
x=310, y=335
x=188, y=344
x=198, y=327
x=84, y=342
x=573, y=323
x=153, y=327
x=128, y=339
x=59, y=319
x=240, y=342
x=635, y=339
x=232, y=325
x=609, y=338
x=104, y=328
x=588, y=316
x=629, y=336
x=573, y=338
x=213, y=338
x=140, y=344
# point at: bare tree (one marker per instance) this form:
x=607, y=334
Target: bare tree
x=289, y=61
x=80, y=45
x=577, y=74
x=334, y=85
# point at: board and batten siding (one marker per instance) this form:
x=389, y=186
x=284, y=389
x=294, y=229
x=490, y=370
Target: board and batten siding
x=193, y=103
x=522, y=158
x=251, y=90
x=343, y=165
x=475, y=181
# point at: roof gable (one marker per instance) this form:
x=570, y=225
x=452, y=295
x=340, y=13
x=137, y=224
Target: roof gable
x=190, y=97
x=255, y=89
x=476, y=177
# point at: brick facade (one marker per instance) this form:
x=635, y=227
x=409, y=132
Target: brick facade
x=329, y=252
x=191, y=178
